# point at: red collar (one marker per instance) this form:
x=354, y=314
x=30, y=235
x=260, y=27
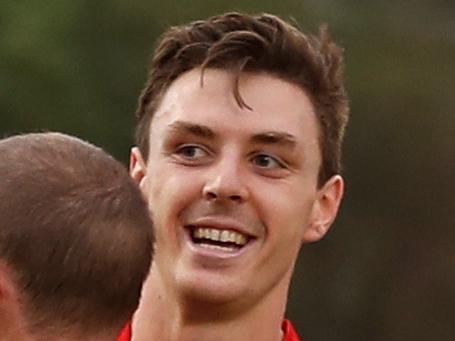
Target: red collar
x=288, y=331
x=125, y=334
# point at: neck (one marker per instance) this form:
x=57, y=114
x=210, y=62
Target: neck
x=73, y=336
x=163, y=315
x=14, y=329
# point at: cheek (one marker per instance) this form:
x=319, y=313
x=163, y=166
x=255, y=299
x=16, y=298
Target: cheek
x=170, y=191
x=288, y=208
x=168, y=196
x=287, y=225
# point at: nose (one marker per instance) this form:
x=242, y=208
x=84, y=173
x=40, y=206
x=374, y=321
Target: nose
x=225, y=183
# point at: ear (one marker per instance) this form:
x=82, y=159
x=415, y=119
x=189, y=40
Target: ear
x=11, y=314
x=138, y=167
x=7, y=289
x=324, y=209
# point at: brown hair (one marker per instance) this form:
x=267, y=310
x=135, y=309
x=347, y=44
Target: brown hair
x=254, y=43
x=75, y=231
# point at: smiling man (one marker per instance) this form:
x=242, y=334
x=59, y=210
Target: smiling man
x=239, y=138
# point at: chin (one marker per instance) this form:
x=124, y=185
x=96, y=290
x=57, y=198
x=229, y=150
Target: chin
x=211, y=290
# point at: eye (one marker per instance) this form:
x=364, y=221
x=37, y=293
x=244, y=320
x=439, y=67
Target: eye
x=267, y=162
x=191, y=152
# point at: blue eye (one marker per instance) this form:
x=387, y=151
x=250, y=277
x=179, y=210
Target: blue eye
x=266, y=161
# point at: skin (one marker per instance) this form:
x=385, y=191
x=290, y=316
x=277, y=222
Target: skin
x=214, y=164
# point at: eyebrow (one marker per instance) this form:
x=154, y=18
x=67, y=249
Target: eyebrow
x=192, y=128
x=269, y=138
x=275, y=138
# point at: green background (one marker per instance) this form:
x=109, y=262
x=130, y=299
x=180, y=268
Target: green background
x=386, y=271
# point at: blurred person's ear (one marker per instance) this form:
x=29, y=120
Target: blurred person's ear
x=6, y=284
x=9, y=303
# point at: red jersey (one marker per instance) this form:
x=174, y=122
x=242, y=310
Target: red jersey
x=288, y=331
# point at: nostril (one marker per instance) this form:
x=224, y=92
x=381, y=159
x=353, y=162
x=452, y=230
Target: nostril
x=210, y=195
x=216, y=193
x=235, y=198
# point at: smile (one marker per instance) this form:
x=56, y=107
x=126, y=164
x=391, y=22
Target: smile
x=218, y=239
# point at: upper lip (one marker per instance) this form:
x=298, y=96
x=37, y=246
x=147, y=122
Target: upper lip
x=222, y=223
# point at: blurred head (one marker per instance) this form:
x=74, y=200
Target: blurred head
x=242, y=43
x=75, y=237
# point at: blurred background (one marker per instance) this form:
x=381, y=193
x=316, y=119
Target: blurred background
x=386, y=271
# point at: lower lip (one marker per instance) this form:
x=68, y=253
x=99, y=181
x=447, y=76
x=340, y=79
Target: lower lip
x=214, y=253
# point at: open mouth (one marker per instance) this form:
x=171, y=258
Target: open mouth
x=218, y=239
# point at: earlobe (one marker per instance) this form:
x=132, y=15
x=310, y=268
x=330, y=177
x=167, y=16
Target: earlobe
x=324, y=210
x=138, y=167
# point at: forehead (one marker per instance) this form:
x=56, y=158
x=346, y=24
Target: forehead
x=275, y=104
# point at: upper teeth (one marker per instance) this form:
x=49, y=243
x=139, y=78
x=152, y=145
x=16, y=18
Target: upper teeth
x=220, y=235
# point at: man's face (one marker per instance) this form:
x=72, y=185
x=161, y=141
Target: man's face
x=233, y=191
